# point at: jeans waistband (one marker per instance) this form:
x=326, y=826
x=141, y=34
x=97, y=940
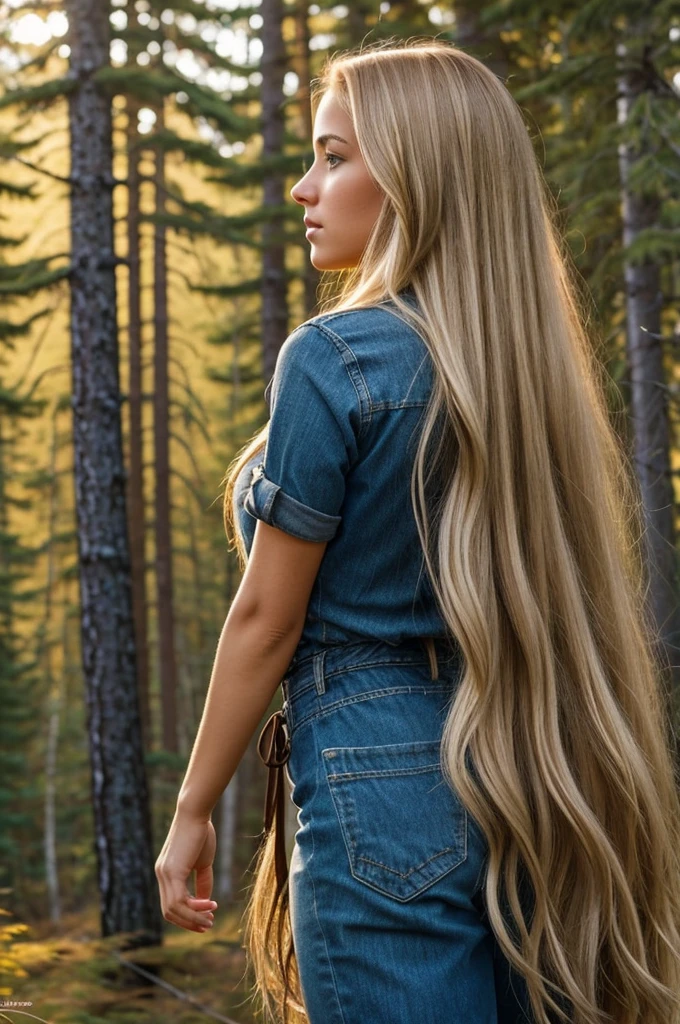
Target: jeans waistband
x=309, y=680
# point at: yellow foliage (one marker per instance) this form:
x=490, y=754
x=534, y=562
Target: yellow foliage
x=9, y=964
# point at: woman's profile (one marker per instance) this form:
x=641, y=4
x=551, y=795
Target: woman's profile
x=476, y=733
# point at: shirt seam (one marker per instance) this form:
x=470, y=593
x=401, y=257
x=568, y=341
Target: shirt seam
x=321, y=320
x=379, y=305
x=357, y=379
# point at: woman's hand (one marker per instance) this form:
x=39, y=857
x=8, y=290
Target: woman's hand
x=189, y=846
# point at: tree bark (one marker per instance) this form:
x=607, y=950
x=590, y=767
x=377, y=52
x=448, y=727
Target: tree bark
x=129, y=899
x=55, y=689
x=135, y=487
x=311, y=275
x=227, y=839
x=648, y=388
x=274, y=290
x=167, y=660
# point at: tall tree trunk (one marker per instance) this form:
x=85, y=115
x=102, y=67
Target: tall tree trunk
x=228, y=811
x=478, y=41
x=274, y=291
x=648, y=391
x=360, y=19
x=167, y=660
x=129, y=898
x=135, y=486
x=227, y=839
x=311, y=276
x=55, y=690
x=200, y=589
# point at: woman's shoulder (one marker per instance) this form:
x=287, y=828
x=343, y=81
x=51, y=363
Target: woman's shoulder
x=366, y=331
x=382, y=352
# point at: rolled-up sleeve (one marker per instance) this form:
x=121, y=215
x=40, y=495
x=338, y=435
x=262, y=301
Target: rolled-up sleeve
x=299, y=486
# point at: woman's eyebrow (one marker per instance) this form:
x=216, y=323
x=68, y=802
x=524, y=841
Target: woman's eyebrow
x=323, y=139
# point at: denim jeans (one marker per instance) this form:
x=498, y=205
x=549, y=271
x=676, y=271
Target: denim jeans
x=387, y=871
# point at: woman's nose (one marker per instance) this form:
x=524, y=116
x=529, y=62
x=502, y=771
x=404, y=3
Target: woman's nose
x=297, y=194
x=302, y=192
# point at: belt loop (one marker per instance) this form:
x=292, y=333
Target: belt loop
x=318, y=663
x=432, y=655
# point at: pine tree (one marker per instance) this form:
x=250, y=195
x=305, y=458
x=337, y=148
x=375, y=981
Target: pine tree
x=600, y=83
x=128, y=893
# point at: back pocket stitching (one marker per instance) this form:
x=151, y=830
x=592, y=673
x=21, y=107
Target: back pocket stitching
x=419, y=867
x=345, y=810
x=378, y=773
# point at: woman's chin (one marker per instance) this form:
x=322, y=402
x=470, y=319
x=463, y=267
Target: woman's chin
x=321, y=261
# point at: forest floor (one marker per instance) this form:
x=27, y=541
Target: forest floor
x=68, y=974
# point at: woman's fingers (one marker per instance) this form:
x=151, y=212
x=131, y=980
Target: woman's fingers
x=181, y=916
x=203, y=903
x=204, y=882
x=183, y=909
x=203, y=927
x=190, y=845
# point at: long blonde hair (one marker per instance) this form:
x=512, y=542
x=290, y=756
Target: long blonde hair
x=533, y=550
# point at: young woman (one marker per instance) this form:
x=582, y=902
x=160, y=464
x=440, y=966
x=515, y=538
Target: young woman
x=441, y=533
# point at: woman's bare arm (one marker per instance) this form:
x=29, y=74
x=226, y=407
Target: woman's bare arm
x=257, y=642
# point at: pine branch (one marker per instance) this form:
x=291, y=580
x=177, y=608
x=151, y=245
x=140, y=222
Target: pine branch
x=42, y=170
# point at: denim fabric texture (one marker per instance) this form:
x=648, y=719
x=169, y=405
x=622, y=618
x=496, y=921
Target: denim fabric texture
x=387, y=871
x=347, y=397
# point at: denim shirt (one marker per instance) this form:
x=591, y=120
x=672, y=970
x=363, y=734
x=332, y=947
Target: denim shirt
x=347, y=397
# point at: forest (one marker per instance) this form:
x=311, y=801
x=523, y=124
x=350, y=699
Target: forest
x=152, y=263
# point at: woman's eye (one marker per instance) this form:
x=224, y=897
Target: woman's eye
x=332, y=156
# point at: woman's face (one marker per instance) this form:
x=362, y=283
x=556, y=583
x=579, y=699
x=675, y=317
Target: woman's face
x=337, y=191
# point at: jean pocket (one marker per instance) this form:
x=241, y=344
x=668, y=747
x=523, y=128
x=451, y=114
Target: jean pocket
x=403, y=826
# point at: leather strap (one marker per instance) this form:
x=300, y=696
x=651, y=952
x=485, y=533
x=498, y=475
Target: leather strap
x=273, y=747
x=432, y=655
